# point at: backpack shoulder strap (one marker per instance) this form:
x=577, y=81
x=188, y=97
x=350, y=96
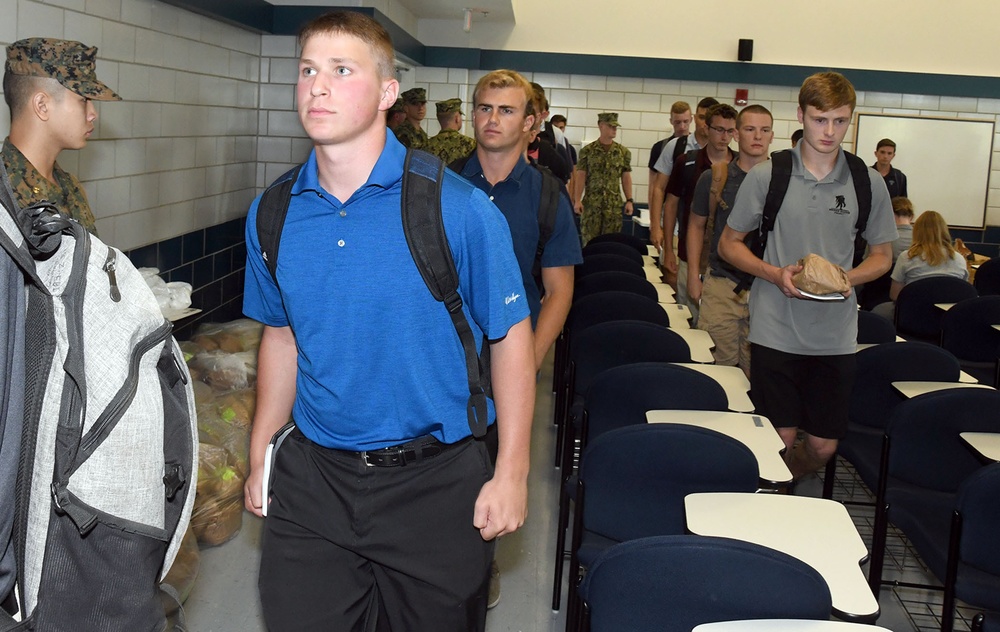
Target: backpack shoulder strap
x=423, y=226
x=680, y=147
x=781, y=174
x=720, y=173
x=271, y=213
x=548, y=205
x=863, y=190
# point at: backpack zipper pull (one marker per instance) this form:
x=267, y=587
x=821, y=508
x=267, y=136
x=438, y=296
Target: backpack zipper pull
x=109, y=268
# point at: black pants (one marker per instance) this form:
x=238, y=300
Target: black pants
x=347, y=547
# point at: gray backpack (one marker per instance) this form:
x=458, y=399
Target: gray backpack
x=109, y=447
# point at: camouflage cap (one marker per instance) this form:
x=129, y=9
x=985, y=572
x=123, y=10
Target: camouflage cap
x=68, y=62
x=396, y=107
x=449, y=105
x=415, y=95
x=611, y=118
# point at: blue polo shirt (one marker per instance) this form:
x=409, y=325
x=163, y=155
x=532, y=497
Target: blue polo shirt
x=379, y=360
x=517, y=197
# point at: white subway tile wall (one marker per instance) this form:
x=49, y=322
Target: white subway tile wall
x=162, y=162
x=209, y=119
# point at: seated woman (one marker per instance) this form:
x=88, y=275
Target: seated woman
x=931, y=254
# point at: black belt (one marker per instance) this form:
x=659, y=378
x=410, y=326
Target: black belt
x=406, y=453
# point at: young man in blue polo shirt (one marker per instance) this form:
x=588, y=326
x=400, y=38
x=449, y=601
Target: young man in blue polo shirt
x=369, y=365
x=802, y=350
x=503, y=115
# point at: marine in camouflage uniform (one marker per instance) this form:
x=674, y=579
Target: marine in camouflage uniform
x=608, y=169
x=408, y=132
x=31, y=187
x=449, y=144
x=72, y=65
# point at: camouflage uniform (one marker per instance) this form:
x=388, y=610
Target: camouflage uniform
x=72, y=65
x=407, y=133
x=449, y=145
x=603, y=201
x=411, y=136
x=29, y=186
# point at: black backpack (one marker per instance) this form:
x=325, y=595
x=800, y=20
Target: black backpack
x=781, y=174
x=548, y=206
x=423, y=226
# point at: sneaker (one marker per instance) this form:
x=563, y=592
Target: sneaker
x=494, y=595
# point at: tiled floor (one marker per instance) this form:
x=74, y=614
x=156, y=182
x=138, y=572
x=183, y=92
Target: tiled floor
x=224, y=598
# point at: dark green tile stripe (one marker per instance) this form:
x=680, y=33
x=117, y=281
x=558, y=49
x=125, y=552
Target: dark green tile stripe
x=285, y=20
x=256, y=15
x=715, y=71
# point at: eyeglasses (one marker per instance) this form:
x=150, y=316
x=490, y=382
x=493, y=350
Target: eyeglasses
x=722, y=130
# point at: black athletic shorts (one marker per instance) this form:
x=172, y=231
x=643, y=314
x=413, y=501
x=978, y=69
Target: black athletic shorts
x=801, y=391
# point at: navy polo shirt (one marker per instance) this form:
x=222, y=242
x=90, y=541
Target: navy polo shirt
x=518, y=197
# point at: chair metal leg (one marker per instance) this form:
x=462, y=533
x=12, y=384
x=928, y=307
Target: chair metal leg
x=573, y=602
x=881, y=524
x=951, y=574
x=560, y=547
x=828, y=476
x=877, y=558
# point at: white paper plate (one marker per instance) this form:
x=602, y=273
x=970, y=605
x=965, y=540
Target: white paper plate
x=836, y=296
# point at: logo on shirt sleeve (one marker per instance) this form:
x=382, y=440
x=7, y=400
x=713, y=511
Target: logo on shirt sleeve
x=510, y=299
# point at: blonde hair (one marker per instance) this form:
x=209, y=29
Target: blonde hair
x=360, y=26
x=931, y=239
x=680, y=107
x=503, y=78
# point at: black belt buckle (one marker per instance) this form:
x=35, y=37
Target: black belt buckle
x=400, y=455
x=385, y=457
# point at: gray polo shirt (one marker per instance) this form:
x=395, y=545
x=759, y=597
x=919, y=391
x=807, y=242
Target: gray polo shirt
x=699, y=206
x=815, y=217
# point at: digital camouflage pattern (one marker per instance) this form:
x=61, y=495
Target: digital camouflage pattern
x=449, y=106
x=68, y=62
x=410, y=136
x=414, y=95
x=449, y=145
x=611, y=118
x=30, y=187
x=602, y=198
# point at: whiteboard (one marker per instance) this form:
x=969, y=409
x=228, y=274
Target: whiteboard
x=946, y=161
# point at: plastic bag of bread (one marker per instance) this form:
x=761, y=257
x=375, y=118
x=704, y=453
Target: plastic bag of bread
x=218, y=505
x=203, y=393
x=232, y=437
x=184, y=570
x=236, y=407
x=189, y=349
x=234, y=336
x=819, y=276
x=226, y=371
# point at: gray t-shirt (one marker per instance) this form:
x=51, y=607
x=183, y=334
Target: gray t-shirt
x=909, y=269
x=903, y=242
x=815, y=217
x=699, y=206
